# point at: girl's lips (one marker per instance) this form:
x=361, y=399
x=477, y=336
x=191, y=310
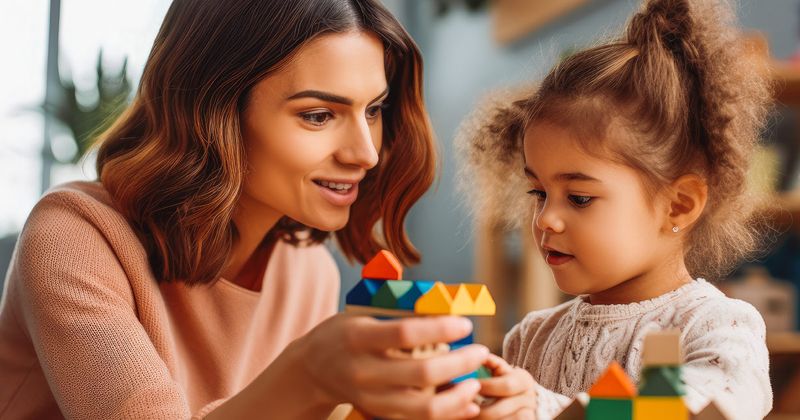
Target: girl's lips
x=556, y=258
x=339, y=198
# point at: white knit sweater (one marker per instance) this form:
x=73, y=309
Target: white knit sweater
x=566, y=348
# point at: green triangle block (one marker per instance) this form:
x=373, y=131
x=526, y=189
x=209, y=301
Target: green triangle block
x=609, y=409
x=663, y=381
x=390, y=292
x=484, y=373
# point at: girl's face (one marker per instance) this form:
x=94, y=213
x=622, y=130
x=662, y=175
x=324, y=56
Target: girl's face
x=593, y=222
x=313, y=128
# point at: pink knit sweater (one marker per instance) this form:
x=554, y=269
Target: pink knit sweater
x=86, y=331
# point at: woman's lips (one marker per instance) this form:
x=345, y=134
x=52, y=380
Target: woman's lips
x=556, y=258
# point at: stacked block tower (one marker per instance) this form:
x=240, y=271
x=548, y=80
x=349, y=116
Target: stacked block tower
x=660, y=392
x=383, y=293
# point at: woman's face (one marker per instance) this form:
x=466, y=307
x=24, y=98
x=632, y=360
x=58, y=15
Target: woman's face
x=313, y=128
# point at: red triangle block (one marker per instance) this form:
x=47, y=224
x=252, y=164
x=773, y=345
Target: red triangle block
x=383, y=266
x=614, y=383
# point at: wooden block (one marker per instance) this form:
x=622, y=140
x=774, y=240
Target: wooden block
x=390, y=293
x=483, y=373
x=469, y=339
x=419, y=288
x=436, y=302
x=614, y=383
x=462, y=301
x=346, y=412
x=662, y=349
x=363, y=291
x=609, y=409
x=384, y=265
x=659, y=408
x=574, y=411
x=661, y=381
x=711, y=412
x=483, y=304
x=377, y=312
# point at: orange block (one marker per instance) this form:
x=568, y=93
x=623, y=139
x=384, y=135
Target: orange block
x=383, y=266
x=614, y=383
x=484, y=304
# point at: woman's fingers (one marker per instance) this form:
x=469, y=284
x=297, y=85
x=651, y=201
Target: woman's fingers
x=517, y=407
x=376, y=335
x=454, y=403
x=422, y=373
x=514, y=382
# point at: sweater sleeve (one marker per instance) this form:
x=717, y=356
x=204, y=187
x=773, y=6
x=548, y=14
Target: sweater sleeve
x=727, y=360
x=517, y=343
x=76, y=304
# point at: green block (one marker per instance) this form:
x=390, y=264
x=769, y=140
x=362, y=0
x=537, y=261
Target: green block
x=609, y=409
x=662, y=381
x=483, y=373
x=390, y=292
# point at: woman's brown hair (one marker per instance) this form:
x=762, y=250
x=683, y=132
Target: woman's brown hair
x=690, y=97
x=174, y=162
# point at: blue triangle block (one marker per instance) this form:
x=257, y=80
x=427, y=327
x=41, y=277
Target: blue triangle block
x=419, y=288
x=362, y=293
x=462, y=342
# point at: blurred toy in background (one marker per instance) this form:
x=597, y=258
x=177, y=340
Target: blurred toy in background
x=382, y=293
x=660, y=392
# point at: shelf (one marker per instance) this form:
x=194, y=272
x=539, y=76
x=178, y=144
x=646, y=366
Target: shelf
x=787, y=82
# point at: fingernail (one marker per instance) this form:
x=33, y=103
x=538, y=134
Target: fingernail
x=472, y=410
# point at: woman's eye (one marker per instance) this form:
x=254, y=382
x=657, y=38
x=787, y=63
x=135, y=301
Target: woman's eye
x=537, y=194
x=375, y=111
x=580, y=200
x=317, y=118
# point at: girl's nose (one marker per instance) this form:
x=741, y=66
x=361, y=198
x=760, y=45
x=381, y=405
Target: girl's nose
x=547, y=219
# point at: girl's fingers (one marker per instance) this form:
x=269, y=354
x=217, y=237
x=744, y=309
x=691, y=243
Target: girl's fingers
x=514, y=382
x=369, y=334
x=519, y=406
x=497, y=365
x=421, y=373
x=454, y=403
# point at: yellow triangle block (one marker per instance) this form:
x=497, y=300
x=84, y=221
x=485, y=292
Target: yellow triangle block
x=659, y=408
x=481, y=299
x=436, y=301
x=462, y=301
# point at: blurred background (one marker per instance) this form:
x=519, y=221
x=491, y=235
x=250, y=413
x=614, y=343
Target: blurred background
x=71, y=65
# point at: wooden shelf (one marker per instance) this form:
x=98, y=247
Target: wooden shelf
x=787, y=82
x=783, y=342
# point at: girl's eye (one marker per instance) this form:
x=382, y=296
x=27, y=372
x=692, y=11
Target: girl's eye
x=580, y=200
x=537, y=194
x=316, y=118
x=375, y=111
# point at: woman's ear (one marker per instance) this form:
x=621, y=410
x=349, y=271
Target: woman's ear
x=688, y=197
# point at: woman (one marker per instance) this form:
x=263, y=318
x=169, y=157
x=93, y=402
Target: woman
x=190, y=280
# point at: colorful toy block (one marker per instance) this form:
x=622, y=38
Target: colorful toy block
x=659, y=408
x=363, y=292
x=419, y=288
x=437, y=301
x=662, y=381
x=383, y=266
x=662, y=349
x=614, y=383
x=390, y=293
x=462, y=301
x=481, y=298
x=574, y=411
x=609, y=409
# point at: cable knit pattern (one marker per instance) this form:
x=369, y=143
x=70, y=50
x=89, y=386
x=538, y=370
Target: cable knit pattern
x=87, y=332
x=568, y=347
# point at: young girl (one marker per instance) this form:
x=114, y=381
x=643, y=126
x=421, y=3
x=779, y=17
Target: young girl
x=634, y=154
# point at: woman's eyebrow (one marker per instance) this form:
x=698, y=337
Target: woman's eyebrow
x=331, y=97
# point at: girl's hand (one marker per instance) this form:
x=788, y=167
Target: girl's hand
x=345, y=359
x=514, y=389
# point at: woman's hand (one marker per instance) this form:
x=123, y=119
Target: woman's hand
x=514, y=389
x=345, y=359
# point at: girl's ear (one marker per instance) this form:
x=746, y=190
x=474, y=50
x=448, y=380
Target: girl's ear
x=688, y=197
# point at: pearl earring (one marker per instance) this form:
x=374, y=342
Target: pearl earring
x=675, y=229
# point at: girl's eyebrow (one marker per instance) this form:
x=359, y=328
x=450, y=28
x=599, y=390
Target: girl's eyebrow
x=565, y=176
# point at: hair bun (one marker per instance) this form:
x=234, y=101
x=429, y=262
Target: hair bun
x=667, y=23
